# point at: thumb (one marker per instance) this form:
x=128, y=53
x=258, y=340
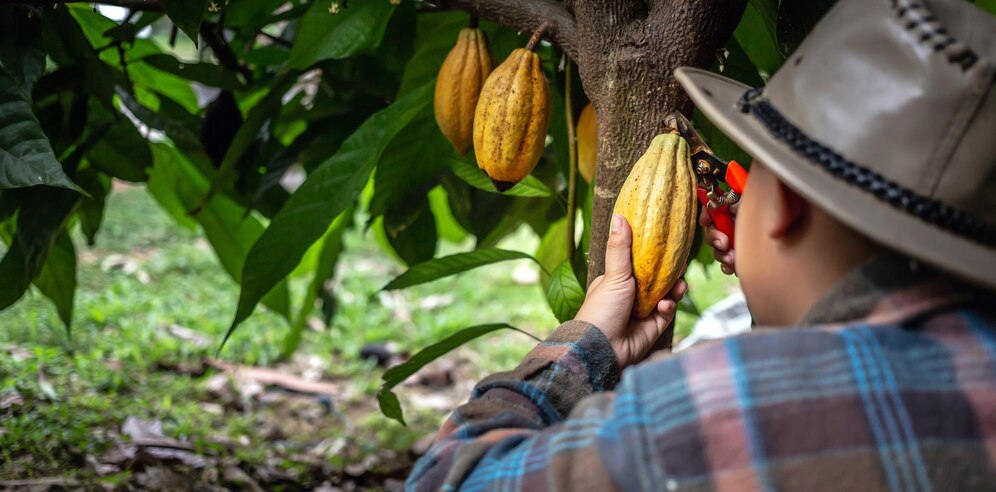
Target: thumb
x=618, y=250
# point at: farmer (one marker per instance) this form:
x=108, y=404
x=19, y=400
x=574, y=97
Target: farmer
x=866, y=248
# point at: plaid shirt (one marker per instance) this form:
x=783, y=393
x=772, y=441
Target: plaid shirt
x=892, y=386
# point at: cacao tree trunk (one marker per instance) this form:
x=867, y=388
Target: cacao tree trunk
x=628, y=51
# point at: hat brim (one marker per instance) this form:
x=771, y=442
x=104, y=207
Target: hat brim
x=717, y=98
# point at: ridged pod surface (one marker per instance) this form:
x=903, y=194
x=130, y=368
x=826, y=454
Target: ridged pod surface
x=458, y=87
x=587, y=143
x=512, y=119
x=658, y=199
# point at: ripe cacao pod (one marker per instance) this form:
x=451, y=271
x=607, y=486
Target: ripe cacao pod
x=587, y=143
x=512, y=119
x=458, y=87
x=658, y=201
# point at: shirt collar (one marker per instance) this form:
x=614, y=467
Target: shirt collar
x=890, y=288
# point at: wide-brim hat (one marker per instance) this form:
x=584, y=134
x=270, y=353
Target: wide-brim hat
x=885, y=117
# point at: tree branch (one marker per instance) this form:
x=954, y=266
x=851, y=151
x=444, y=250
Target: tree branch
x=145, y=5
x=526, y=16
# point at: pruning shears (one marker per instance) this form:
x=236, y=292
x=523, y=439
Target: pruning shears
x=710, y=171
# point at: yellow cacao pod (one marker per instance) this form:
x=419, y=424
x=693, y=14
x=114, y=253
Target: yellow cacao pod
x=587, y=143
x=458, y=86
x=512, y=119
x=658, y=201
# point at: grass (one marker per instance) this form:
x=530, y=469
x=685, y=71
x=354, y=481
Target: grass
x=145, y=273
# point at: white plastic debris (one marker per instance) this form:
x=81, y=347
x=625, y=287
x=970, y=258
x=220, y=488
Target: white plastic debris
x=724, y=319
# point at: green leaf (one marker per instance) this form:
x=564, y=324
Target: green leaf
x=397, y=374
x=43, y=216
x=122, y=152
x=447, y=225
x=720, y=143
x=187, y=15
x=100, y=78
x=205, y=73
x=451, y=265
x=181, y=132
x=21, y=49
x=435, y=36
x=410, y=165
x=57, y=279
x=552, y=250
x=26, y=157
x=411, y=231
x=758, y=41
x=530, y=187
x=354, y=30
x=390, y=406
x=768, y=10
x=987, y=5
x=328, y=257
x=178, y=187
x=329, y=189
x=564, y=293
x=91, y=211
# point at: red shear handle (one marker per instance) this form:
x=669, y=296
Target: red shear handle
x=721, y=217
x=736, y=177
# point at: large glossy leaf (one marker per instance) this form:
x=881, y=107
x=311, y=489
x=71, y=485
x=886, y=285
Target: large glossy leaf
x=323, y=196
x=178, y=187
x=435, y=35
x=26, y=157
x=564, y=293
x=122, y=152
x=21, y=49
x=410, y=165
x=91, y=211
x=43, y=216
x=389, y=404
x=530, y=187
x=438, y=268
x=330, y=248
x=447, y=225
x=552, y=250
x=57, y=279
x=206, y=73
x=187, y=15
x=758, y=41
x=101, y=79
x=411, y=231
x=397, y=374
x=323, y=35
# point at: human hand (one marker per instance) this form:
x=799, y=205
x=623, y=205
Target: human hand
x=720, y=242
x=609, y=303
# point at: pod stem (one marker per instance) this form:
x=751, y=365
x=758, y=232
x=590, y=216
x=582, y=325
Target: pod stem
x=474, y=22
x=538, y=35
x=572, y=175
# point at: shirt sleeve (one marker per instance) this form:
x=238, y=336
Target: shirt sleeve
x=525, y=428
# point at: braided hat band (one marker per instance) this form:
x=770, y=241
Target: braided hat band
x=927, y=209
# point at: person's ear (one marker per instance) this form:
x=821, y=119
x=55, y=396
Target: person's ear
x=790, y=211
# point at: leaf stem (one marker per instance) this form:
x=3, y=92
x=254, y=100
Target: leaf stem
x=572, y=173
x=538, y=35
